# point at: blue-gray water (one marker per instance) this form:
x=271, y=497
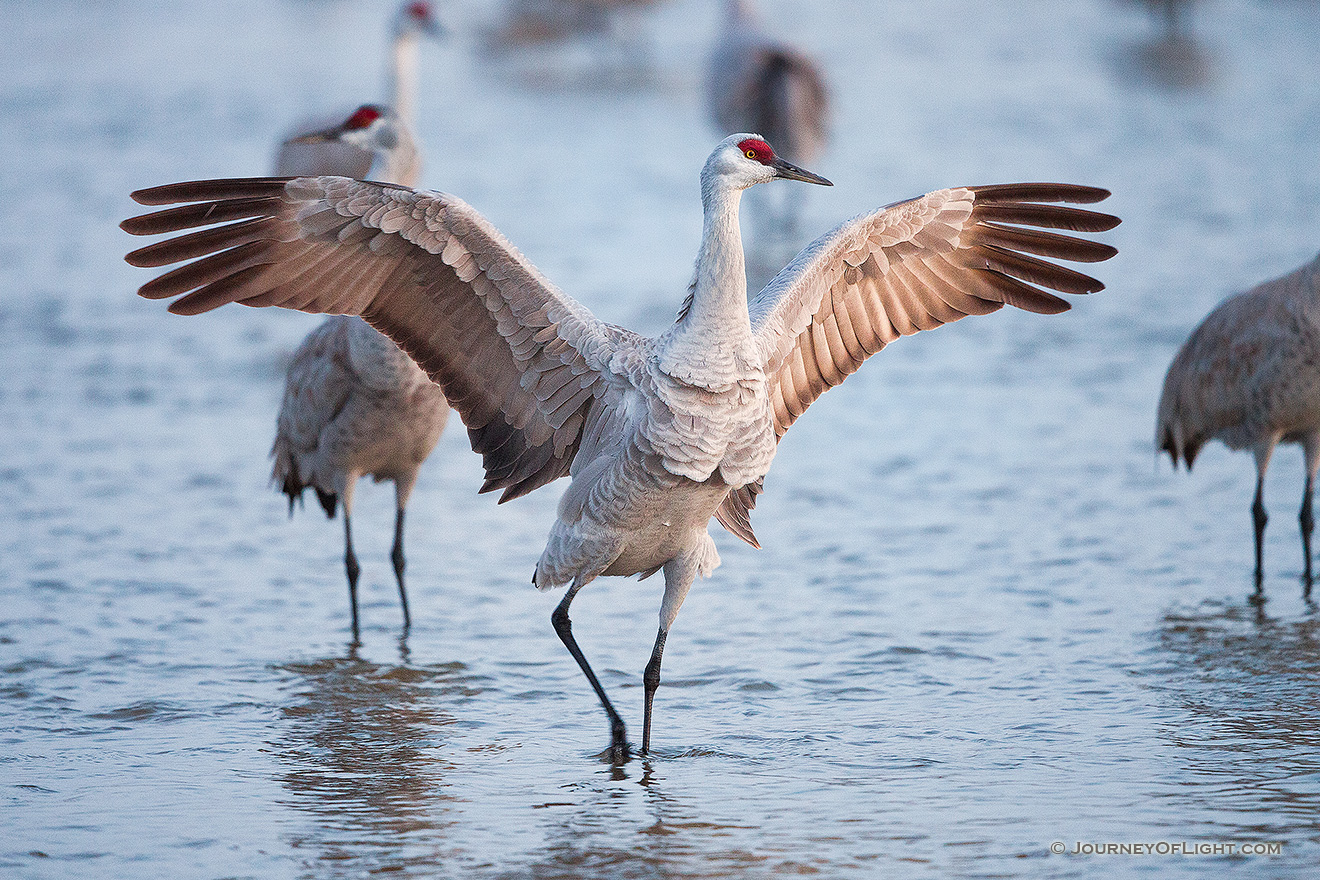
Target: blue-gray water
x=984, y=619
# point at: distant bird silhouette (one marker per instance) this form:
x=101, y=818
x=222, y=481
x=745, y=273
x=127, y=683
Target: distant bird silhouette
x=298, y=157
x=1249, y=375
x=658, y=434
x=756, y=83
x=550, y=21
x=354, y=404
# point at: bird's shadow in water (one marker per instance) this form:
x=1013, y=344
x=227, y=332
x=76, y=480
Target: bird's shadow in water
x=362, y=752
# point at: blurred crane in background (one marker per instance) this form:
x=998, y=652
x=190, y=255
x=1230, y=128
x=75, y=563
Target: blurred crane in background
x=298, y=157
x=1249, y=376
x=354, y=404
x=347, y=384
x=756, y=83
x=549, y=21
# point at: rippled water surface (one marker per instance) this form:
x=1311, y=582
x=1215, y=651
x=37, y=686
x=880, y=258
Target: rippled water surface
x=984, y=620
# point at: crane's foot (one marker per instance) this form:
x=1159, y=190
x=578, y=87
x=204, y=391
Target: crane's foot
x=1258, y=596
x=619, y=752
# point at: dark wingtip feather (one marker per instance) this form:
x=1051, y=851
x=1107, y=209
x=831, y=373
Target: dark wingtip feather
x=1190, y=453
x=189, y=216
x=206, y=190
x=1041, y=192
x=1025, y=212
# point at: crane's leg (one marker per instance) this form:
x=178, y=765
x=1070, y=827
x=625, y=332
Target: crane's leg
x=1311, y=449
x=618, y=750
x=396, y=556
x=1307, y=522
x=679, y=575
x=352, y=568
x=1259, y=517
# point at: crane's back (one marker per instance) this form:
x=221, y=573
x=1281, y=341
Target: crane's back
x=1251, y=370
x=354, y=404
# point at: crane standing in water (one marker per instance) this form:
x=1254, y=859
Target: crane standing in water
x=354, y=404
x=658, y=434
x=346, y=383
x=1249, y=375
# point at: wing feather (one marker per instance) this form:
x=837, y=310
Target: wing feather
x=914, y=266
x=521, y=362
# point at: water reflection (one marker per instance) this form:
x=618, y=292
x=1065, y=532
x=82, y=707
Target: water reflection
x=670, y=837
x=1248, y=681
x=363, y=756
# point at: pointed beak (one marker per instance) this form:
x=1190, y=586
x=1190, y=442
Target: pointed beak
x=434, y=29
x=789, y=171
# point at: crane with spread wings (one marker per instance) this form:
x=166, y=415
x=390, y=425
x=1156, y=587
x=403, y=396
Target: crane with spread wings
x=660, y=434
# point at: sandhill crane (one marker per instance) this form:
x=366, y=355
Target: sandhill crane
x=299, y=157
x=760, y=84
x=354, y=404
x=658, y=434
x=1249, y=375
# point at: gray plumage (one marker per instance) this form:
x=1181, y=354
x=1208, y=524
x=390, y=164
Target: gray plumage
x=354, y=404
x=1249, y=376
x=658, y=434
x=298, y=157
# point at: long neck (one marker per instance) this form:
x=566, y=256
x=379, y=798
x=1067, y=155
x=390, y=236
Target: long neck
x=711, y=345
x=719, y=292
x=403, y=164
x=403, y=76
x=738, y=12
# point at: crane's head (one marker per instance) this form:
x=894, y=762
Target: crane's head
x=418, y=17
x=743, y=160
x=371, y=127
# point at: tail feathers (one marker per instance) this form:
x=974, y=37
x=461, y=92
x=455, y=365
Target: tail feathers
x=291, y=483
x=1177, y=446
x=329, y=501
x=285, y=475
x=295, y=494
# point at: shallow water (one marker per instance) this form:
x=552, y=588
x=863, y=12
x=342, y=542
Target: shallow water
x=984, y=619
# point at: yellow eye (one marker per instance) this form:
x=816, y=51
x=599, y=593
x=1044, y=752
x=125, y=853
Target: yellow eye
x=751, y=154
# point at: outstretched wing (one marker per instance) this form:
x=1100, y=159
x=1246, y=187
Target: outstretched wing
x=914, y=266
x=521, y=362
